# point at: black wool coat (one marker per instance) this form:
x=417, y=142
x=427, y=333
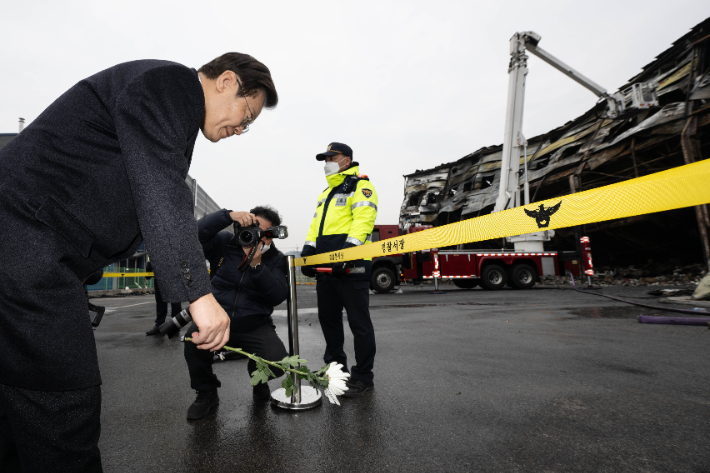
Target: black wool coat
x=248, y=296
x=99, y=171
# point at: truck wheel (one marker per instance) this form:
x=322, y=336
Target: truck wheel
x=382, y=280
x=466, y=283
x=493, y=277
x=522, y=276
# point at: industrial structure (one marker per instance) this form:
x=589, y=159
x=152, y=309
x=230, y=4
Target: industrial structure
x=594, y=150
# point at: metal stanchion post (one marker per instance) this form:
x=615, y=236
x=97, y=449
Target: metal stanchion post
x=437, y=273
x=587, y=261
x=303, y=397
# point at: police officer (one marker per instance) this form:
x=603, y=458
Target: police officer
x=344, y=218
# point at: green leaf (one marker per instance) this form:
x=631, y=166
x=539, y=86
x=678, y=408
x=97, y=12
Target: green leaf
x=258, y=377
x=288, y=385
x=288, y=381
x=293, y=361
x=264, y=368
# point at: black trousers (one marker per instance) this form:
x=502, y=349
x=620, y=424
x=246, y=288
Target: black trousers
x=262, y=342
x=161, y=307
x=43, y=431
x=333, y=295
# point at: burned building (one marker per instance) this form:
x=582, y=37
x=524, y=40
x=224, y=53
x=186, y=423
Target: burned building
x=593, y=151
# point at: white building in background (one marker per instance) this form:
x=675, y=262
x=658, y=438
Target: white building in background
x=204, y=204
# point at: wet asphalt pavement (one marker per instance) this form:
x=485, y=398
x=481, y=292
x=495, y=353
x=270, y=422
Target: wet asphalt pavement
x=541, y=380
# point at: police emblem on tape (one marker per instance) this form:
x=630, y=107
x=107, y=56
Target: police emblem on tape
x=367, y=193
x=542, y=215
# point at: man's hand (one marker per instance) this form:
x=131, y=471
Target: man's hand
x=308, y=271
x=243, y=218
x=256, y=259
x=212, y=322
x=340, y=270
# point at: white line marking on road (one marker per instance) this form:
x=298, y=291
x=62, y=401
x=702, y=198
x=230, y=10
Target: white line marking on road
x=284, y=312
x=140, y=303
x=113, y=309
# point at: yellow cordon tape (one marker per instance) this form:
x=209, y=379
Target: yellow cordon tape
x=684, y=186
x=128, y=275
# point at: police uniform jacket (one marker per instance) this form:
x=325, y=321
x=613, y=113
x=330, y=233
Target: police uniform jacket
x=99, y=171
x=344, y=217
x=248, y=296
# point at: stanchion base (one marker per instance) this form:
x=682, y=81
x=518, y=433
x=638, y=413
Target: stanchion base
x=310, y=398
x=437, y=292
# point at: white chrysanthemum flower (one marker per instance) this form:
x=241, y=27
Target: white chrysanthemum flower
x=336, y=382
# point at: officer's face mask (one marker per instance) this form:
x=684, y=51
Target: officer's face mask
x=331, y=168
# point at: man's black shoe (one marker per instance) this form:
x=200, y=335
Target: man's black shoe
x=262, y=392
x=154, y=331
x=356, y=387
x=206, y=400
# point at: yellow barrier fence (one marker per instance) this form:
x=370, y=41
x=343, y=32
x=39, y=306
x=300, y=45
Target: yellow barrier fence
x=128, y=275
x=684, y=186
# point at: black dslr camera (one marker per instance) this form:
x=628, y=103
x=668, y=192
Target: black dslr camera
x=250, y=235
x=247, y=236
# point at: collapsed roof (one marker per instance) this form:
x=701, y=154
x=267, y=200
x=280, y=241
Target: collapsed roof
x=587, y=152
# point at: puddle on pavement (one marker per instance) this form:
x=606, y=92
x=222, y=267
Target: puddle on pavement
x=611, y=312
x=399, y=306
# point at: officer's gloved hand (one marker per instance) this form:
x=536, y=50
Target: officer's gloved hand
x=308, y=271
x=340, y=270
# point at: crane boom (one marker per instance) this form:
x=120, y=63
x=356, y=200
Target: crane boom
x=636, y=97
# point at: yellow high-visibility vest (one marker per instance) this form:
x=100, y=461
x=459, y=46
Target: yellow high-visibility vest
x=345, y=213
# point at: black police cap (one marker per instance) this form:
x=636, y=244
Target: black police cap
x=335, y=148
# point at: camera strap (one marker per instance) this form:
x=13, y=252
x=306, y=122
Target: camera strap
x=247, y=259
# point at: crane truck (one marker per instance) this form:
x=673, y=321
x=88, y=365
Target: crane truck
x=523, y=266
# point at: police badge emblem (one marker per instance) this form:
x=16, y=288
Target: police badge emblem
x=367, y=193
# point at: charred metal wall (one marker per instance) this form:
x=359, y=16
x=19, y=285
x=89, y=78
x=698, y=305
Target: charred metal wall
x=591, y=152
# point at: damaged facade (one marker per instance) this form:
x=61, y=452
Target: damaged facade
x=590, y=152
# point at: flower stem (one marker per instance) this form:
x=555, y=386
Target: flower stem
x=258, y=358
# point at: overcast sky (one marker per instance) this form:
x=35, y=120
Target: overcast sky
x=408, y=85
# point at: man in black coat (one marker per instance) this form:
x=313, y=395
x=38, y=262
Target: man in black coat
x=99, y=171
x=248, y=295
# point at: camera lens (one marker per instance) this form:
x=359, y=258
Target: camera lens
x=247, y=237
x=172, y=326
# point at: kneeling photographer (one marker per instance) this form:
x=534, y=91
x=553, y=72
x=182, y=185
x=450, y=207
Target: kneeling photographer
x=249, y=278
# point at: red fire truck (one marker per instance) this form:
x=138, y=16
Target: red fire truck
x=467, y=268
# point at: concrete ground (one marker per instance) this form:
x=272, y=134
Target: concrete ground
x=542, y=380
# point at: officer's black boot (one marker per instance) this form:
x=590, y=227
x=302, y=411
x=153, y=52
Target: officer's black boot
x=205, y=402
x=357, y=388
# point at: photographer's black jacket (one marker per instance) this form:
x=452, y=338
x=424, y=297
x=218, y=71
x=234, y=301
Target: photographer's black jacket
x=248, y=296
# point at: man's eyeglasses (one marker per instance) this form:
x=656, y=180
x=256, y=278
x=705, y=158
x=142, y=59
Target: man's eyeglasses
x=250, y=119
